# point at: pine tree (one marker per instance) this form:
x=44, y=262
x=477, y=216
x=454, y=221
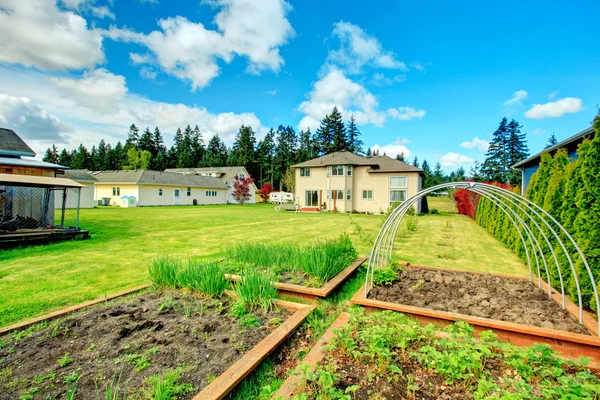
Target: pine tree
x=438, y=175
x=102, y=161
x=415, y=162
x=517, y=151
x=284, y=151
x=243, y=151
x=197, y=146
x=496, y=165
x=94, y=162
x=538, y=185
x=551, y=140
x=119, y=156
x=159, y=155
x=427, y=174
x=474, y=172
x=400, y=157
x=355, y=145
x=331, y=135
x=64, y=158
x=146, y=142
x=51, y=155
x=80, y=159
x=459, y=175
x=216, y=153
x=266, y=155
x=556, y=183
x=133, y=137
x=305, y=146
x=369, y=153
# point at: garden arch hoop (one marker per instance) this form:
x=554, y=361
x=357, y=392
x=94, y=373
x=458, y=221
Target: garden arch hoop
x=528, y=219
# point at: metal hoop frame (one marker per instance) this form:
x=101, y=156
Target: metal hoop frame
x=525, y=217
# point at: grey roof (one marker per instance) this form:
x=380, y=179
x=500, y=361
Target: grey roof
x=377, y=163
x=227, y=173
x=149, y=177
x=11, y=144
x=558, y=145
x=80, y=175
x=29, y=162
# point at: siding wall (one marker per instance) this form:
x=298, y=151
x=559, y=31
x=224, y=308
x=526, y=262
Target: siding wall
x=148, y=195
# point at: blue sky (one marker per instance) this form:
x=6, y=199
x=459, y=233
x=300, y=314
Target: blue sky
x=432, y=78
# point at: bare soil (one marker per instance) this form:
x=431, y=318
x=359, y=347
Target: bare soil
x=484, y=296
x=127, y=341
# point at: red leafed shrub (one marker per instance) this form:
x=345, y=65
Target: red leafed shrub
x=467, y=201
x=241, y=189
x=265, y=191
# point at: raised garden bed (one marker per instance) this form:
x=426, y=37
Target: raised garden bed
x=512, y=307
x=309, y=271
x=171, y=343
x=386, y=355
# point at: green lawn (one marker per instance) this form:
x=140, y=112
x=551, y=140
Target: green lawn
x=39, y=279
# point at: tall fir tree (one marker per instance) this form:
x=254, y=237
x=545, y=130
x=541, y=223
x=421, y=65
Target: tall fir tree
x=216, y=153
x=306, y=147
x=369, y=152
x=415, y=162
x=551, y=140
x=427, y=174
x=243, y=152
x=331, y=135
x=159, y=155
x=355, y=145
x=400, y=157
x=102, y=161
x=51, y=155
x=496, y=165
x=64, y=158
x=197, y=146
x=517, y=150
x=284, y=151
x=133, y=137
x=80, y=159
x=266, y=156
x=146, y=142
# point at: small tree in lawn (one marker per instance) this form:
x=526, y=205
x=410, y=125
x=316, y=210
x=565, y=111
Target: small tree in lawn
x=241, y=189
x=265, y=191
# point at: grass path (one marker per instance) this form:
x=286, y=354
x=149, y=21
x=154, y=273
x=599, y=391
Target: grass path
x=39, y=279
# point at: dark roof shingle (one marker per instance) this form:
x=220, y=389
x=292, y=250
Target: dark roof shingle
x=150, y=177
x=12, y=144
x=377, y=163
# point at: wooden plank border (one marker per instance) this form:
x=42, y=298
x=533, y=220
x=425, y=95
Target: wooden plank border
x=312, y=293
x=568, y=345
x=229, y=379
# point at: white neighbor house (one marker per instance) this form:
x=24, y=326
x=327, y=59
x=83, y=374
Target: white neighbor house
x=226, y=174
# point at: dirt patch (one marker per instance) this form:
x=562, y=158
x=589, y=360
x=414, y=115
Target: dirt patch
x=484, y=296
x=127, y=343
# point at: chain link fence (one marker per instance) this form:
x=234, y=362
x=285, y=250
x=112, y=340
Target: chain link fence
x=38, y=208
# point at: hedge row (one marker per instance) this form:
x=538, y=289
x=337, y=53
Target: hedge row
x=570, y=191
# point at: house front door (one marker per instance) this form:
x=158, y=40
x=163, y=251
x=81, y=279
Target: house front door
x=176, y=201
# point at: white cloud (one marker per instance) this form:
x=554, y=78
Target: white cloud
x=148, y=73
x=36, y=33
x=539, y=131
x=191, y=52
x=516, y=98
x=454, y=159
x=97, y=90
x=137, y=58
x=553, y=94
x=380, y=79
x=30, y=121
x=335, y=89
x=405, y=113
x=476, y=143
x=358, y=48
x=81, y=124
x=555, y=108
x=393, y=149
x=103, y=12
x=272, y=92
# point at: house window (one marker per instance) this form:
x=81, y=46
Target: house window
x=160, y=192
x=116, y=191
x=211, y=193
x=311, y=198
x=339, y=194
x=241, y=175
x=349, y=194
x=305, y=172
x=397, y=181
x=397, y=196
x=337, y=170
x=367, y=194
x=189, y=191
x=349, y=170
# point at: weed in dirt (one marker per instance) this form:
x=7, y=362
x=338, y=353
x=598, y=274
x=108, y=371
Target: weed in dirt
x=166, y=386
x=417, y=287
x=207, y=278
x=249, y=321
x=65, y=360
x=91, y=348
x=254, y=291
x=74, y=377
x=164, y=271
x=139, y=362
x=274, y=322
x=169, y=304
x=112, y=390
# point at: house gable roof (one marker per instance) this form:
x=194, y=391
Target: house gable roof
x=226, y=173
x=12, y=145
x=80, y=175
x=377, y=163
x=578, y=136
x=149, y=177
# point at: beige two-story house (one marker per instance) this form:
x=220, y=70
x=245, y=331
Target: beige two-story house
x=348, y=182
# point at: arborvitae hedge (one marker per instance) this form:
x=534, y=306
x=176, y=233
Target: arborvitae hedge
x=570, y=191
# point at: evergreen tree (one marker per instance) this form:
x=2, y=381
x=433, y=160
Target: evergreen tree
x=243, y=151
x=331, y=135
x=197, y=146
x=355, y=145
x=551, y=140
x=538, y=185
x=284, y=151
x=51, y=155
x=216, y=153
x=102, y=160
x=118, y=156
x=438, y=175
x=474, y=172
x=94, y=159
x=64, y=158
x=496, y=165
x=415, y=162
x=266, y=155
x=427, y=174
x=369, y=153
x=306, y=147
x=138, y=159
x=159, y=154
x=146, y=142
x=80, y=159
x=517, y=151
x=459, y=175
x=400, y=157
x=556, y=183
x=133, y=137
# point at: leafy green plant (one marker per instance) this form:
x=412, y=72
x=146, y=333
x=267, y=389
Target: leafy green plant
x=254, y=291
x=385, y=276
x=65, y=360
x=166, y=386
x=164, y=271
x=207, y=278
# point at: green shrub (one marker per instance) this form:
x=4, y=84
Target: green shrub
x=434, y=211
x=384, y=276
x=164, y=271
x=207, y=278
x=254, y=291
